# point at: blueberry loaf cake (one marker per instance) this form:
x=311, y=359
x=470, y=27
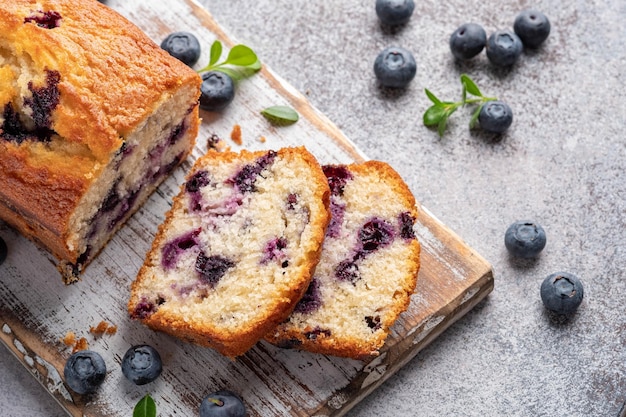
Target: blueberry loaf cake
x=93, y=115
x=368, y=267
x=237, y=250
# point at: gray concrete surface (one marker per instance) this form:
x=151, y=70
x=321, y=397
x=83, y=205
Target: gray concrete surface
x=561, y=163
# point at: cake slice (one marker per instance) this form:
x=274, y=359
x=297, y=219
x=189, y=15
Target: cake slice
x=93, y=116
x=368, y=267
x=237, y=249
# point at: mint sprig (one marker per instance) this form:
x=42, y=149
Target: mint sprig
x=146, y=407
x=241, y=61
x=440, y=111
x=280, y=115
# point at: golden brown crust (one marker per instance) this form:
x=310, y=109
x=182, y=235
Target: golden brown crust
x=112, y=78
x=237, y=341
x=291, y=335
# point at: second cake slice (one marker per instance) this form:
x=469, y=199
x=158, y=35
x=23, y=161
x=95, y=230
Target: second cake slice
x=237, y=250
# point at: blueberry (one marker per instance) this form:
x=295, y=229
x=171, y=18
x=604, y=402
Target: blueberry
x=4, y=251
x=562, y=292
x=467, y=41
x=394, y=12
x=217, y=91
x=212, y=268
x=141, y=364
x=182, y=45
x=495, y=117
x=84, y=371
x=525, y=239
x=395, y=67
x=222, y=403
x=374, y=234
x=532, y=27
x=503, y=48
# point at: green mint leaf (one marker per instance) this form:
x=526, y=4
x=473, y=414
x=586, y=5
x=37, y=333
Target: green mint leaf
x=216, y=53
x=280, y=115
x=145, y=407
x=433, y=115
x=474, y=120
x=470, y=86
x=241, y=56
x=432, y=97
x=441, y=127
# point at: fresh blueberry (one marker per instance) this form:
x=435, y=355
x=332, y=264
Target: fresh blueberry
x=394, y=12
x=525, y=239
x=562, y=292
x=142, y=364
x=467, y=41
x=395, y=67
x=503, y=48
x=84, y=371
x=222, y=403
x=532, y=27
x=495, y=117
x=4, y=251
x=182, y=45
x=217, y=91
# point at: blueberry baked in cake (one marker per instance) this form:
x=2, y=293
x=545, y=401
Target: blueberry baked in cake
x=368, y=267
x=237, y=250
x=93, y=116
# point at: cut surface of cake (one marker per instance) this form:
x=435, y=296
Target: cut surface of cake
x=237, y=249
x=368, y=268
x=93, y=116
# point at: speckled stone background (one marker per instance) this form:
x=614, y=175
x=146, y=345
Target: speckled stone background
x=561, y=164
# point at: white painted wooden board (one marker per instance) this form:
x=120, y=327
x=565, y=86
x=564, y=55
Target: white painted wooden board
x=37, y=310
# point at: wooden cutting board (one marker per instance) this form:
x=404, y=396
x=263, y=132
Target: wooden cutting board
x=37, y=310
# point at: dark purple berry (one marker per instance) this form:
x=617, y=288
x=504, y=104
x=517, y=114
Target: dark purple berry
x=84, y=371
x=217, y=91
x=317, y=332
x=562, y=292
x=311, y=300
x=467, y=41
x=44, y=99
x=374, y=234
x=143, y=309
x=338, y=176
x=394, y=12
x=172, y=249
x=525, y=239
x=46, y=20
x=4, y=251
x=247, y=176
x=348, y=271
x=373, y=322
x=495, y=117
x=222, y=403
x=212, y=268
x=395, y=67
x=141, y=364
x=532, y=27
x=198, y=180
x=504, y=47
x=182, y=45
x=337, y=212
x=407, y=222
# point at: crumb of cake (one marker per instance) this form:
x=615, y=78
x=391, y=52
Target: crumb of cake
x=103, y=328
x=80, y=344
x=216, y=143
x=69, y=339
x=262, y=139
x=235, y=135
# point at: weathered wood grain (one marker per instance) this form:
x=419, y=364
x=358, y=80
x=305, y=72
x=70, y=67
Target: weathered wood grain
x=37, y=310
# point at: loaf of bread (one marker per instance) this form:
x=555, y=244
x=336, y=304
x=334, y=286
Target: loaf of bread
x=368, y=268
x=237, y=249
x=93, y=116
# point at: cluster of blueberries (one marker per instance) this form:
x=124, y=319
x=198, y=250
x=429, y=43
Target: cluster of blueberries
x=85, y=371
x=561, y=292
x=217, y=90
